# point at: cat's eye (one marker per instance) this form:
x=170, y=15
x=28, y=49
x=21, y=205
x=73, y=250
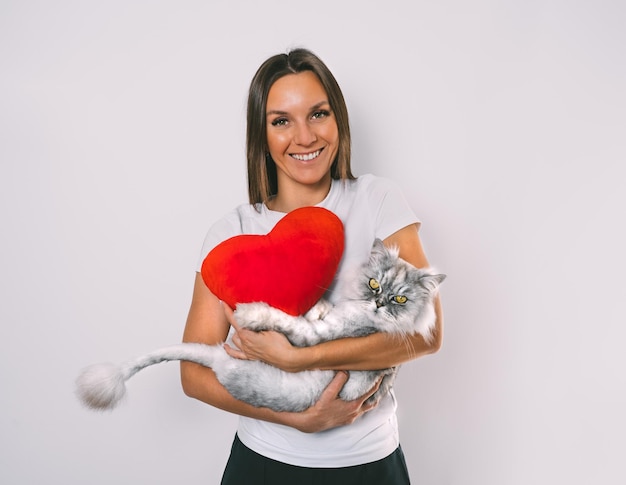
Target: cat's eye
x=401, y=299
x=374, y=285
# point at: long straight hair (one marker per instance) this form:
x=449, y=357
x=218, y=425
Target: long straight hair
x=262, y=177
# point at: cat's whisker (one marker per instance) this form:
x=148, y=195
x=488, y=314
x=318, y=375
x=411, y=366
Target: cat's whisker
x=409, y=346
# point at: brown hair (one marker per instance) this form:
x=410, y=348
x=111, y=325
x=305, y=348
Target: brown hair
x=262, y=180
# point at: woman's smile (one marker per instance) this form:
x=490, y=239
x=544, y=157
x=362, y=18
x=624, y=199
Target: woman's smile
x=306, y=157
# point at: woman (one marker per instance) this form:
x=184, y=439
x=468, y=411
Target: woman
x=298, y=150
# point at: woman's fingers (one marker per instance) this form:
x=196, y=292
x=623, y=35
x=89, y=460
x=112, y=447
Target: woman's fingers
x=331, y=411
x=235, y=352
x=365, y=406
x=230, y=316
x=334, y=388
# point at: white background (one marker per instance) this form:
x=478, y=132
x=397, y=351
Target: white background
x=122, y=140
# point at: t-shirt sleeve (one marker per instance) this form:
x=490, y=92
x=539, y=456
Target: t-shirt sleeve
x=393, y=212
x=225, y=228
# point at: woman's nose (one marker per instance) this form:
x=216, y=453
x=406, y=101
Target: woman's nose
x=305, y=136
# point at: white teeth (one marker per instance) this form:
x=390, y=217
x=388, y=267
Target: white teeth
x=307, y=157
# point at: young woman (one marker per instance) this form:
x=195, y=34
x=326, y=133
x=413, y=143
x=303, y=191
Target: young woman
x=298, y=150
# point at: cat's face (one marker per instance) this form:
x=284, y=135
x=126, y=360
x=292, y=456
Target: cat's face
x=396, y=288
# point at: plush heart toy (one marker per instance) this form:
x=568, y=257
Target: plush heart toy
x=289, y=268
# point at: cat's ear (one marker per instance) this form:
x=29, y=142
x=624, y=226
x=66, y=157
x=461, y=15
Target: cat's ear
x=432, y=281
x=378, y=245
x=378, y=251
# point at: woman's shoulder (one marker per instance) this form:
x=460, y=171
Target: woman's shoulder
x=376, y=182
x=368, y=186
x=369, y=181
x=240, y=220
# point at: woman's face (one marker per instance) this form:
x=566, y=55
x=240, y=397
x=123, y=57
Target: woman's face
x=302, y=134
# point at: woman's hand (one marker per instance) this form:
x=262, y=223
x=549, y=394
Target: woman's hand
x=330, y=411
x=270, y=347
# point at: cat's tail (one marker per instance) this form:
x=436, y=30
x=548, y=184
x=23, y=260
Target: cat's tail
x=102, y=386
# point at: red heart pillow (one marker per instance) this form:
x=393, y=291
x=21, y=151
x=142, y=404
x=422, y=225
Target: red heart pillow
x=289, y=268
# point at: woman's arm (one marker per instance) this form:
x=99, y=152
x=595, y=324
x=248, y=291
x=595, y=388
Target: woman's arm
x=207, y=324
x=376, y=351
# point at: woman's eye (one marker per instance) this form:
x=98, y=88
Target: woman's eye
x=400, y=299
x=320, y=114
x=279, y=122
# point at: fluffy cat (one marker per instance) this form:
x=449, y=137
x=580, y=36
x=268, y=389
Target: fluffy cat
x=390, y=295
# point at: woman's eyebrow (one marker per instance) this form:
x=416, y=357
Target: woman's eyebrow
x=276, y=112
x=283, y=113
x=319, y=105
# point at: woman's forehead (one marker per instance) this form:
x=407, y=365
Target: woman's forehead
x=296, y=91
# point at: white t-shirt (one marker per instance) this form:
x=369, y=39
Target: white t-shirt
x=370, y=207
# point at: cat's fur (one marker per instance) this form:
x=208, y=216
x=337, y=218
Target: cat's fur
x=390, y=295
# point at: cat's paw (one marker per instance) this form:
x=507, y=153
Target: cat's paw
x=256, y=316
x=318, y=311
x=249, y=315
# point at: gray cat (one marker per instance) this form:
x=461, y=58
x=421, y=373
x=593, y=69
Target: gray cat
x=390, y=296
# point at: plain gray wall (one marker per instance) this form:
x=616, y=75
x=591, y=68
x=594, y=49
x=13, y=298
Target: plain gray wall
x=122, y=140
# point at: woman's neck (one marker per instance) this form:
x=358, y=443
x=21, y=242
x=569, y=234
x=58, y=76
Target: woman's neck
x=287, y=200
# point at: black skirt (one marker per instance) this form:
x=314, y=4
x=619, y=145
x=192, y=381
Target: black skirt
x=246, y=467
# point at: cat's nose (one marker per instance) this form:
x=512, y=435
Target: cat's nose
x=379, y=303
